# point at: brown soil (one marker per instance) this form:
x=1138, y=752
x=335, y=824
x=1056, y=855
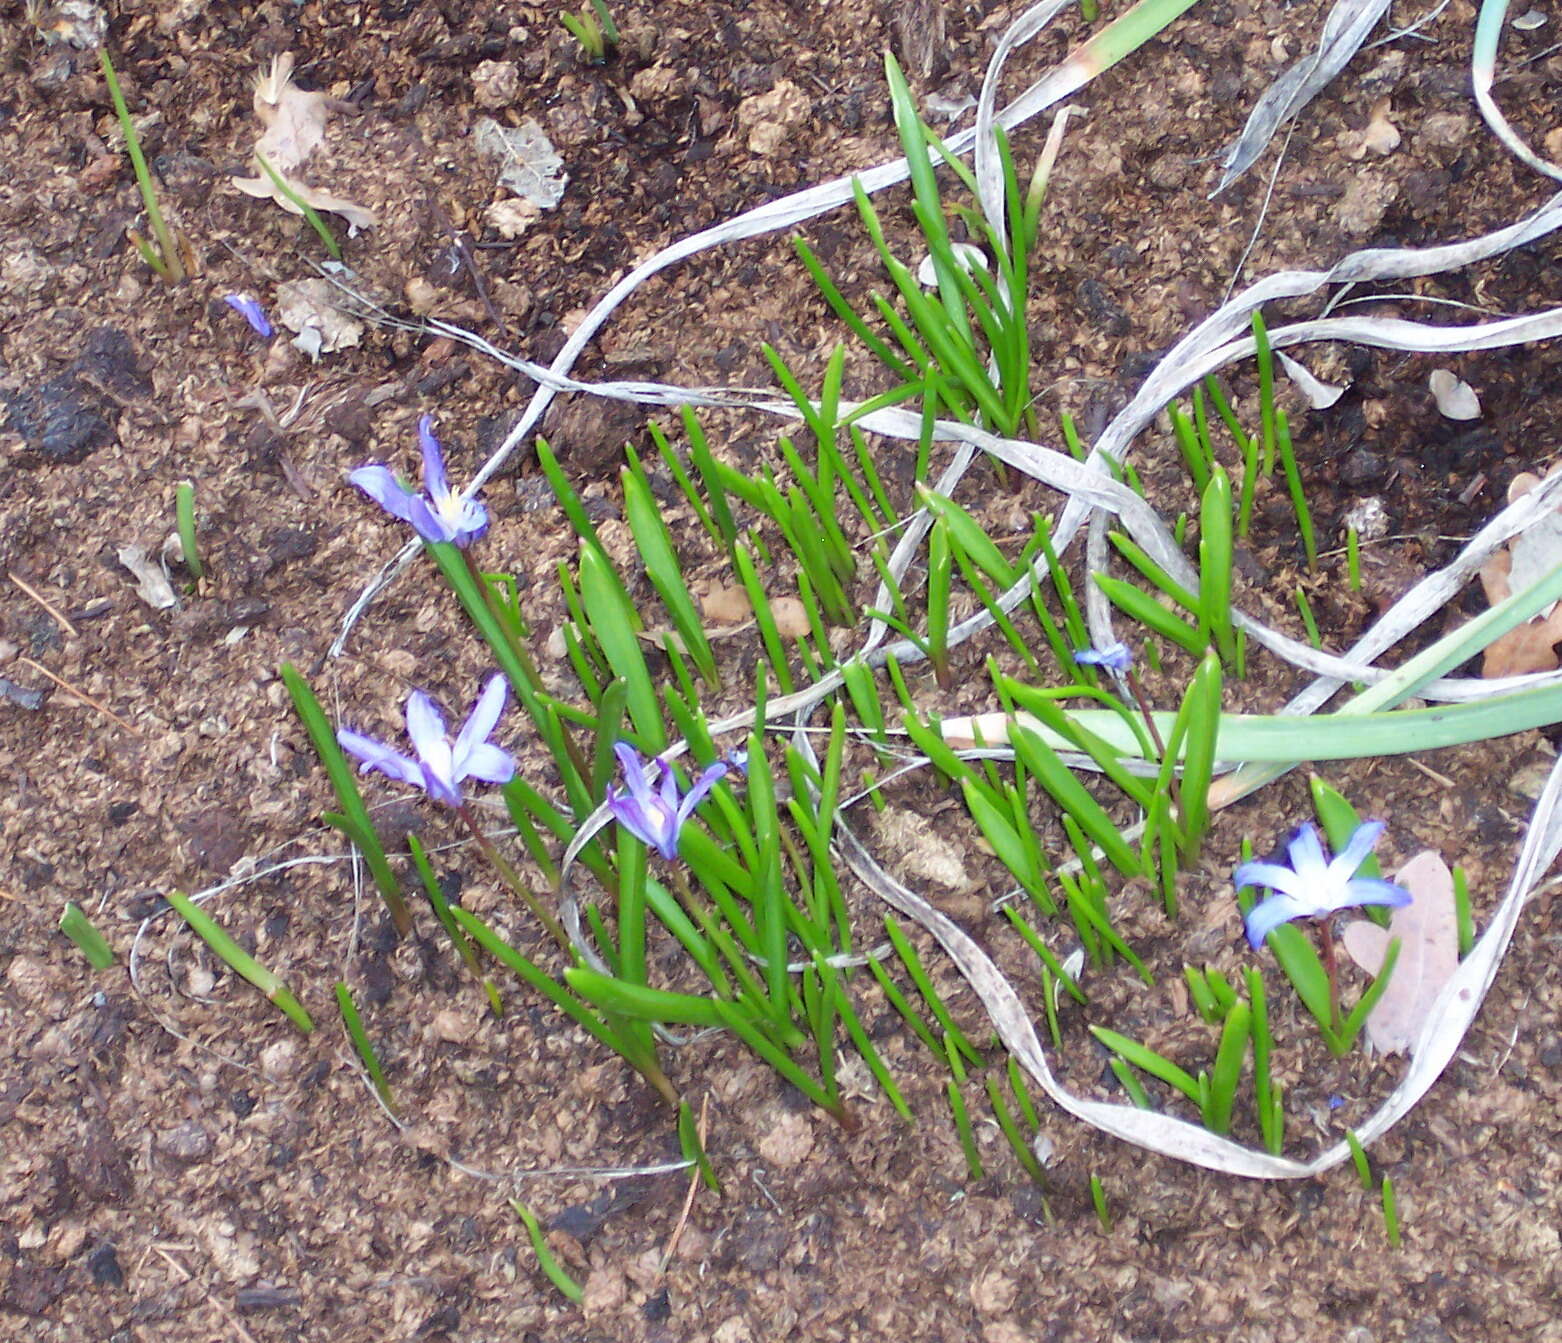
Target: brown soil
x=178, y=1165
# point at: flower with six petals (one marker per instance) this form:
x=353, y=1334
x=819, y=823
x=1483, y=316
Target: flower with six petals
x=438, y=765
x=1314, y=886
x=439, y=513
x=656, y=817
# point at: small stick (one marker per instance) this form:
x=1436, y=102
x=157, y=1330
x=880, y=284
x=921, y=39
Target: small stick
x=694, y=1185
x=59, y=618
x=85, y=699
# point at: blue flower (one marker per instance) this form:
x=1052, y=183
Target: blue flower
x=1114, y=657
x=656, y=817
x=252, y=313
x=1315, y=886
x=438, y=514
x=439, y=765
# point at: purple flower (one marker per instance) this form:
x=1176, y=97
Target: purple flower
x=655, y=818
x=1314, y=885
x=1114, y=657
x=438, y=764
x=438, y=514
x=252, y=313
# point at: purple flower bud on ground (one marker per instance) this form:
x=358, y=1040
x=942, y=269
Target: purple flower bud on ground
x=655, y=817
x=438, y=514
x=439, y=765
x=1315, y=886
x=1114, y=657
x=252, y=313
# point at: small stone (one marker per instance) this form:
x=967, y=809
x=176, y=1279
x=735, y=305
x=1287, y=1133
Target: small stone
x=279, y=1060
x=454, y=1027
x=495, y=84
x=187, y=1142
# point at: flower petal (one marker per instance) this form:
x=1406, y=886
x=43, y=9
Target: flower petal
x=634, y=771
x=1358, y=848
x=1114, y=657
x=252, y=313
x=1269, y=914
x=648, y=825
x=434, y=480
x=1376, y=891
x=1306, y=851
x=425, y=725
x=380, y=484
x=668, y=789
x=471, y=524
x=482, y=721
x=1272, y=875
x=709, y=779
x=377, y=755
x=440, y=782
x=427, y=520
x=485, y=761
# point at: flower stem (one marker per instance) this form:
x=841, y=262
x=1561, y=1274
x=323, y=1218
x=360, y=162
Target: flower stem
x=512, y=879
x=1326, y=938
x=1142, y=700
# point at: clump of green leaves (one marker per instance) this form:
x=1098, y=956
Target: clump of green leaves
x=163, y=257
x=593, y=28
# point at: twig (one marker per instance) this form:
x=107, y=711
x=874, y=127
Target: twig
x=695, y=1176
x=84, y=698
x=59, y=618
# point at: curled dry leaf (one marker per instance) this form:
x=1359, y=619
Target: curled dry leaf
x=1456, y=400
x=294, y=121
x=309, y=308
x=725, y=605
x=791, y=617
x=1529, y=557
x=1320, y=394
x=152, y=584
x=1428, y=933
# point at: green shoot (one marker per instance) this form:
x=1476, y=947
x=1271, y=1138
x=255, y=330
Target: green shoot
x=549, y=1265
x=353, y=820
x=1097, y=1190
x=1358, y=1155
x=1462, y=912
x=184, y=518
x=1390, y=1213
x=1293, y=482
x=303, y=207
x=594, y=29
x=361, y=1042
x=81, y=930
x=973, y=1159
x=239, y=960
x=164, y=257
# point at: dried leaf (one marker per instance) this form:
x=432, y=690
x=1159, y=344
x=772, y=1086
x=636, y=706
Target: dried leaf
x=152, y=584
x=309, y=308
x=530, y=167
x=1456, y=400
x=1530, y=556
x=294, y=119
x=1320, y=395
x=1428, y=933
x=295, y=127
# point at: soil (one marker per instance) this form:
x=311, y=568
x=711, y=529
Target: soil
x=177, y=1164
